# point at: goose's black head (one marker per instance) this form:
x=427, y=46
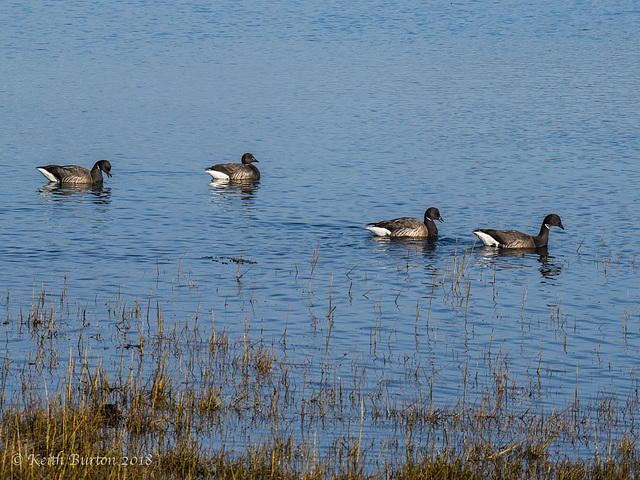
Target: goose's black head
x=247, y=158
x=105, y=166
x=433, y=213
x=553, y=220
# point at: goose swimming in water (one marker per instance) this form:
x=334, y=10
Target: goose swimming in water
x=236, y=171
x=73, y=174
x=515, y=239
x=407, y=226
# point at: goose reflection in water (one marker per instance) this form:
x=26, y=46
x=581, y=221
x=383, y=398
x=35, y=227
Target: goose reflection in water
x=502, y=259
x=407, y=247
x=246, y=187
x=76, y=193
x=236, y=197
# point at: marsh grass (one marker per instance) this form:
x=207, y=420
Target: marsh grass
x=187, y=399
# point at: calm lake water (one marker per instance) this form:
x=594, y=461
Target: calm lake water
x=495, y=113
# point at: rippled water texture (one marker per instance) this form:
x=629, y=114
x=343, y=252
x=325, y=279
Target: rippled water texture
x=357, y=112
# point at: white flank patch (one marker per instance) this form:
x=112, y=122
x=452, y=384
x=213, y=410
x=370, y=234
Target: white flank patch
x=48, y=174
x=218, y=175
x=486, y=239
x=381, y=232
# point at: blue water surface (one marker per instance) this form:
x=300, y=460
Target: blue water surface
x=497, y=113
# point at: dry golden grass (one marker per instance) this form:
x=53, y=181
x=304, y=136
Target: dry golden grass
x=187, y=401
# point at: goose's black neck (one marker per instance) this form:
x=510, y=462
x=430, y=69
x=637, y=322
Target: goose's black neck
x=543, y=237
x=96, y=173
x=255, y=170
x=431, y=226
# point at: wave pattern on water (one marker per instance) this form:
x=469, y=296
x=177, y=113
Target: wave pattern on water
x=497, y=115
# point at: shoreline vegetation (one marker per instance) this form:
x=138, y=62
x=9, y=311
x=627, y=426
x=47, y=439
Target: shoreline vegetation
x=186, y=399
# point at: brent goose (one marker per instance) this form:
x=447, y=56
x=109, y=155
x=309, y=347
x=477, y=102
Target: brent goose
x=407, y=226
x=236, y=171
x=515, y=239
x=73, y=174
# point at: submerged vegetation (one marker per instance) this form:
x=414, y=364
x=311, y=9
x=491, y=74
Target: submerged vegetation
x=187, y=398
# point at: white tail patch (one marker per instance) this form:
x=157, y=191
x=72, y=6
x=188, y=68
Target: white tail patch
x=486, y=238
x=217, y=175
x=380, y=232
x=48, y=174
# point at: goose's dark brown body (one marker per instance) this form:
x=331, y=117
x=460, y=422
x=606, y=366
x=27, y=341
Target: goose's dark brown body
x=516, y=239
x=74, y=174
x=407, y=226
x=236, y=171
